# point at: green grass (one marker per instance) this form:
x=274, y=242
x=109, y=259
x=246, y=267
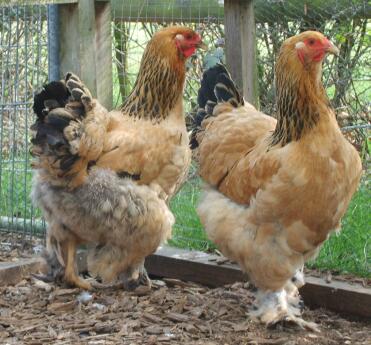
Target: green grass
x=348, y=252
x=15, y=187
x=188, y=231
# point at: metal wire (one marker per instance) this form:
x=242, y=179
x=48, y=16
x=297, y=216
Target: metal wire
x=135, y=22
x=25, y=41
x=351, y=128
x=23, y=56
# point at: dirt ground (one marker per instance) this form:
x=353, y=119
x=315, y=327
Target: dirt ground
x=172, y=312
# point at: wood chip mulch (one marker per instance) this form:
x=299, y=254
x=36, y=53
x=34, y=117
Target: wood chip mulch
x=172, y=312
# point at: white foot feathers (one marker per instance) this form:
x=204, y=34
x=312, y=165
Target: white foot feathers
x=274, y=307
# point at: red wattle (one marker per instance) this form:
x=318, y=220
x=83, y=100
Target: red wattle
x=187, y=52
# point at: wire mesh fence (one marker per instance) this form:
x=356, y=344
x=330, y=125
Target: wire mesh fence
x=24, y=68
x=346, y=79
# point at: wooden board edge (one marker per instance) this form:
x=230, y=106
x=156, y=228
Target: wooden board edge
x=12, y=273
x=204, y=268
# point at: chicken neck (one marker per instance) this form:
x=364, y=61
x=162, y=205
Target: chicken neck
x=157, y=89
x=301, y=102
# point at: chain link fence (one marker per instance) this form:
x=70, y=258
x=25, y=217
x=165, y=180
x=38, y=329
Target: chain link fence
x=24, y=68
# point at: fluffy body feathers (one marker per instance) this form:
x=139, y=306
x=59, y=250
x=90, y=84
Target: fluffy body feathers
x=128, y=219
x=105, y=177
x=275, y=189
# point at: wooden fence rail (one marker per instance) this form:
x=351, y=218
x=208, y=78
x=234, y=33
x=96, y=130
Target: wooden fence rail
x=188, y=10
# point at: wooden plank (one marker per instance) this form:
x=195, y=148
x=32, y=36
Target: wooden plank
x=192, y=266
x=339, y=296
x=202, y=268
x=195, y=10
x=86, y=37
x=12, y=273
x=69, y=41
x=86, y=45
x=103, y=57
x=265, y=11
x=249, y=68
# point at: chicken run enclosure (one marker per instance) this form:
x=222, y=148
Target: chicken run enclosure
x=103, y=42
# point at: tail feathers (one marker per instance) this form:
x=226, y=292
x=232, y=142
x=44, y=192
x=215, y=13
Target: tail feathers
x=56, y=109
x=217, y=87
x=226, y=91
x=53, y=95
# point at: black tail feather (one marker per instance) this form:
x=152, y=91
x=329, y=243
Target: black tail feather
x=49, y=127
x=55, y=93
x=55, y=108
x=216, y=87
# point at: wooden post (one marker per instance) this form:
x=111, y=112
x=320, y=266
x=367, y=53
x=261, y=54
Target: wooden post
x=240, y=46
x=233, y=39
x=103, y=21
x=87, y=57
x=86, y=45
x=248, y=57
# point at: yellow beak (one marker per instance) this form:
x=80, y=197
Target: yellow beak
x=202, y=45
x=332, y=49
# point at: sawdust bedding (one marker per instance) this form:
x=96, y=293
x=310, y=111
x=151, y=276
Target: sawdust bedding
x=172, y=312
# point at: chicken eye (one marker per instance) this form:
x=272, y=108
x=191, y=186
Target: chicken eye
x=311, y=42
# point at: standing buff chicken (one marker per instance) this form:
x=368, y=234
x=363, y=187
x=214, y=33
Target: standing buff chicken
x=105, y=178
x=274, y=189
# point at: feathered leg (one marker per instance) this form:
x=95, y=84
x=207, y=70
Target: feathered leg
x=54, y=261
x=272, y=307
x=136, y=275
x=70, y=275
x=292, y=289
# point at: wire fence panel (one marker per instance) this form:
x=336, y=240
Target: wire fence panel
x=131, y=33
x=346, y=79
x=24, y=67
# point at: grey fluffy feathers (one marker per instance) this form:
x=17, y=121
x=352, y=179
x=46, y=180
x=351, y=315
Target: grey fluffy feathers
x=125, y=222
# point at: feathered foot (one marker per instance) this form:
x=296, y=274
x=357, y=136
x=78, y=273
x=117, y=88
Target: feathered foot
x=274, y=307
x=292, y=289
x=59, y=274
x=55, y=269
x=298, y=278
x=135, y=277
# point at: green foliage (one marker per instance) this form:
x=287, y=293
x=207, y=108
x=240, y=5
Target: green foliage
x=350, y=250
